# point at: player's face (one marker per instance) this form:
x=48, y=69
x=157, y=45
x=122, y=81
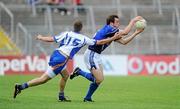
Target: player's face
x=116, y=23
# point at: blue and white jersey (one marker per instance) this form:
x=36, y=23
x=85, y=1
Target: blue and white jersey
x=72, y=42
x=103, y=33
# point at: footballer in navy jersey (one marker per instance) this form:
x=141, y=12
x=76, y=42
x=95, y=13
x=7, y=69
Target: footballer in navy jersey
x=92, y=56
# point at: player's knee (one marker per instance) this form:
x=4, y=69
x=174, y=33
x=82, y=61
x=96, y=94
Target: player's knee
x=99, y=81
x=66, y=77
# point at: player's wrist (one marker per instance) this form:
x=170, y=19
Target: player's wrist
x=113, y=38
x=133, y=21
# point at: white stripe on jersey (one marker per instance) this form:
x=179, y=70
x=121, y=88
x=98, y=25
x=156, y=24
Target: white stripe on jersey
x=71, y=42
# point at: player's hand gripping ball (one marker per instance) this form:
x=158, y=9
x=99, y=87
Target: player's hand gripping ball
x=141, y=24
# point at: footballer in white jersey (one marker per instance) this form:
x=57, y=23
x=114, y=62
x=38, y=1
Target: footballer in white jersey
x=69, y=44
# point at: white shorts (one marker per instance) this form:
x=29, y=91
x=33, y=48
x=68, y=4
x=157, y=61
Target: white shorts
x=51, y=73
x=92, y=59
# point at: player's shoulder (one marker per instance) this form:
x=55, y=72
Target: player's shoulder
x=108, y=29
x=85, y=37
x=62, y=33
x=67, y=32
x=77, y=35
x=72, y=34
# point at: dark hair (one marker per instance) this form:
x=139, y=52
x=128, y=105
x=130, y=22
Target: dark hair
x=111, y=18
x=78, y=26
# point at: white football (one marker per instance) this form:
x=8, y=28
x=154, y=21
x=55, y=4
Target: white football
x=141, y=24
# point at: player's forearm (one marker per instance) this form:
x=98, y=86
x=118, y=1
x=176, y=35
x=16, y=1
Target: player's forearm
x=104, y=41
x=127, y=39
x=45, y=38
x=116, y=36
x=129, y=27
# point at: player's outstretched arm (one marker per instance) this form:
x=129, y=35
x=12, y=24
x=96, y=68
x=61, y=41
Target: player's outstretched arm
x=126, y=39
x=108, y=40
x=131, y=24
x=45, y=38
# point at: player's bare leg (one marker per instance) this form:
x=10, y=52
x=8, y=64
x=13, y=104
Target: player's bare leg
x=37, y=81
x=34, y=82
x=62, y=84
x=99, y=77
x=98, y=74
x=96, y=77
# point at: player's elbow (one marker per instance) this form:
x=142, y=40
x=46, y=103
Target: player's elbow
x=123, y=42
x=125, y=33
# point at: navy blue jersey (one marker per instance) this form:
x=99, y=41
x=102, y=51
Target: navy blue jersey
x=103, y=33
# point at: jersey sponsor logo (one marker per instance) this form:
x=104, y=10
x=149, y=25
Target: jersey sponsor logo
x=154, y=65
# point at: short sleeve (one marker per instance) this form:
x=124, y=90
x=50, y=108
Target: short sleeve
x=89, y=41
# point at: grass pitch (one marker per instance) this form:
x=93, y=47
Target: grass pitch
x=133, y=92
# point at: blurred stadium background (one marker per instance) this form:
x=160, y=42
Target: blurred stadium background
x=22, y=21
x=155, y=52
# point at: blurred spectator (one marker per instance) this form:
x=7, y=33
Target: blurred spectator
x=52, y=2
x=77, y=2
x=63, y=9
x=60, y=3
x=80, y=9
x=35, y=2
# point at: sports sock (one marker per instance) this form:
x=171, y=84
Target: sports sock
x=87, y=75
x=61, y=93
x=92, y=88
x=23, y=86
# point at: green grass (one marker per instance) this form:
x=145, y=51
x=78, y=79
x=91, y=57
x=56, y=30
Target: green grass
x=133, y=92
